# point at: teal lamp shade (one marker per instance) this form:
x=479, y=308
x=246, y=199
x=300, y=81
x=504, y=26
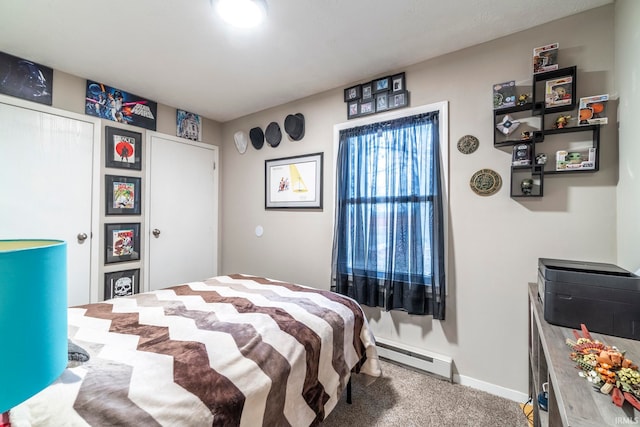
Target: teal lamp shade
x=33, y=317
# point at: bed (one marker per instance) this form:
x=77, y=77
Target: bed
x=231, y=350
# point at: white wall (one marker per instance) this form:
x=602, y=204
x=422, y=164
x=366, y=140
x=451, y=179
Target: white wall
x=627, y=36
x=495, y=241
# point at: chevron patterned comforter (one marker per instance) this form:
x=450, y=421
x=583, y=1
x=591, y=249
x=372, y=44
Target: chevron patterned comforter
x=229, y=351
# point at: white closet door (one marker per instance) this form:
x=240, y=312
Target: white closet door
x=182, y=210
x=46, y=180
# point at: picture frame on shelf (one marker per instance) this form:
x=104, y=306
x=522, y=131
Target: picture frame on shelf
x=294, y=182
x=367, y=91
x=367, y=107
x=398, y=83
x=123, y=149
x=352, y=93
x=382, y=85
x=123, y=283
x=122, y=195
x=122, y=242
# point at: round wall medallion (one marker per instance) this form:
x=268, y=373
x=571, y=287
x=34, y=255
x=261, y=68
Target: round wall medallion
x=485, y=182
x=468, y=144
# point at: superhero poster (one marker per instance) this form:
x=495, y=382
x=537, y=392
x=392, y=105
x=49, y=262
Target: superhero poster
x=119, y=106
x=25, y=79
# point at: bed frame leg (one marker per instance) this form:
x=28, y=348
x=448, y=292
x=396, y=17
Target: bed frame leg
x=349, y=391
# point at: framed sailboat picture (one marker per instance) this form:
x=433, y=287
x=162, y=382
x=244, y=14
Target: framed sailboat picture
x=294, y=182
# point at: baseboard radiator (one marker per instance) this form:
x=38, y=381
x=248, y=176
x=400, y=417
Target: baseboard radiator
x=417, y=358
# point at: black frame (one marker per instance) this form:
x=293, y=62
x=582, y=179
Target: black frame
x=400, y=80
x=382, y=101
x=367, y=91
x=382, y=85
x=398, y=100
x=109, y=181
x=111, y=278
x=111, y=133
x=351, y=93
x=367, y=107
x=353, y=109
x=109, y=229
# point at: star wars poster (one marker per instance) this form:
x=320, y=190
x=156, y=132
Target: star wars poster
x=25, y=79
x=109, y=103
x=189, y=126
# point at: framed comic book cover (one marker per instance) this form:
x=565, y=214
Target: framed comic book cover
x=122, y=242
x=121, y=283
x=123, y=149
x=122, y=195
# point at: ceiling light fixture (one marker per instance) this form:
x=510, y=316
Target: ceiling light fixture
x=242, y=13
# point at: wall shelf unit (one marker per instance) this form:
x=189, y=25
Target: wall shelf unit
x=568, y=149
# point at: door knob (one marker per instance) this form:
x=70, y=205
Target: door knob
x=156, y=232
x=82, y=237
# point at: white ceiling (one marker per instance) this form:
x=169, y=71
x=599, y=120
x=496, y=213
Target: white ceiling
x=177, y=53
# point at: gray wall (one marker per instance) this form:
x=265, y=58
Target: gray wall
x=494, y=242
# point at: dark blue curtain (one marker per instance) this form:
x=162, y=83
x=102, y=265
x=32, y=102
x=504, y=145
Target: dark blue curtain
x=388, y=248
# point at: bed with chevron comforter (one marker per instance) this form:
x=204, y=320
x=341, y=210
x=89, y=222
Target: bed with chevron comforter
x=228, y=351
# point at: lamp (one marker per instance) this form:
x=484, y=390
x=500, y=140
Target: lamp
x=241, y=13
x=33, y=318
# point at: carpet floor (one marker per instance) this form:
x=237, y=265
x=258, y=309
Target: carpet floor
x=406, y=397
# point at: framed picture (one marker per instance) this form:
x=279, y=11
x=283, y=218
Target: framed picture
x=25, y=79
x=352, y=109
x=122, y=195
x=367, y=107
x=122, y=242
x=113, y=104
x=398, y=100
x=294, y=182
x=382, y=85
x=352, y=93
x=382, y=101
x=188, y=125
x=123, y=149
x=367, y=91
x=397, y=83
x=121, y=283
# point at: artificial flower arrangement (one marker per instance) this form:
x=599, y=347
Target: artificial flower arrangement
x=606, y=368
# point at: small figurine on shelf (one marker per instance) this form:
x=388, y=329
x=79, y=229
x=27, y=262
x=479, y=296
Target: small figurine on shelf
x=525, y=136
x=526, y=186
x=523, y=98
x=562, y=122
x=541, y=159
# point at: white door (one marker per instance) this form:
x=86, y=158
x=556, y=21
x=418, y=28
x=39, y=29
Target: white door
x=46, y=185
x=182, y=201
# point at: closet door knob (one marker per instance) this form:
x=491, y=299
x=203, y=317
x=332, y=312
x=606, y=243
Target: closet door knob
x=156, y=232
x=82, y=237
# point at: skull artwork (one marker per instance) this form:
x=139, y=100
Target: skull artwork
x=122, y=287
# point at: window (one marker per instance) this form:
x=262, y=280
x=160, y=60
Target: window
x=389, y=231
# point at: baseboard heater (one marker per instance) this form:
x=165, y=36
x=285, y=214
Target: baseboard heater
x=417, y=358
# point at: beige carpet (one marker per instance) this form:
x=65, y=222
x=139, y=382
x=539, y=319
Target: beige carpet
x=405, y=397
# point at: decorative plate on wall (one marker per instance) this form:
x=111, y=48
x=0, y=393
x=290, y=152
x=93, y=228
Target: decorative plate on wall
x=468, y=144
x=485, y=182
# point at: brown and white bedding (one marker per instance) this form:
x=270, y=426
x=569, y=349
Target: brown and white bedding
x=229, y=351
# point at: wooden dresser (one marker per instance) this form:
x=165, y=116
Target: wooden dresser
x=572, y=400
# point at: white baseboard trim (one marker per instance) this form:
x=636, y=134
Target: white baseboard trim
x=494, y=389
